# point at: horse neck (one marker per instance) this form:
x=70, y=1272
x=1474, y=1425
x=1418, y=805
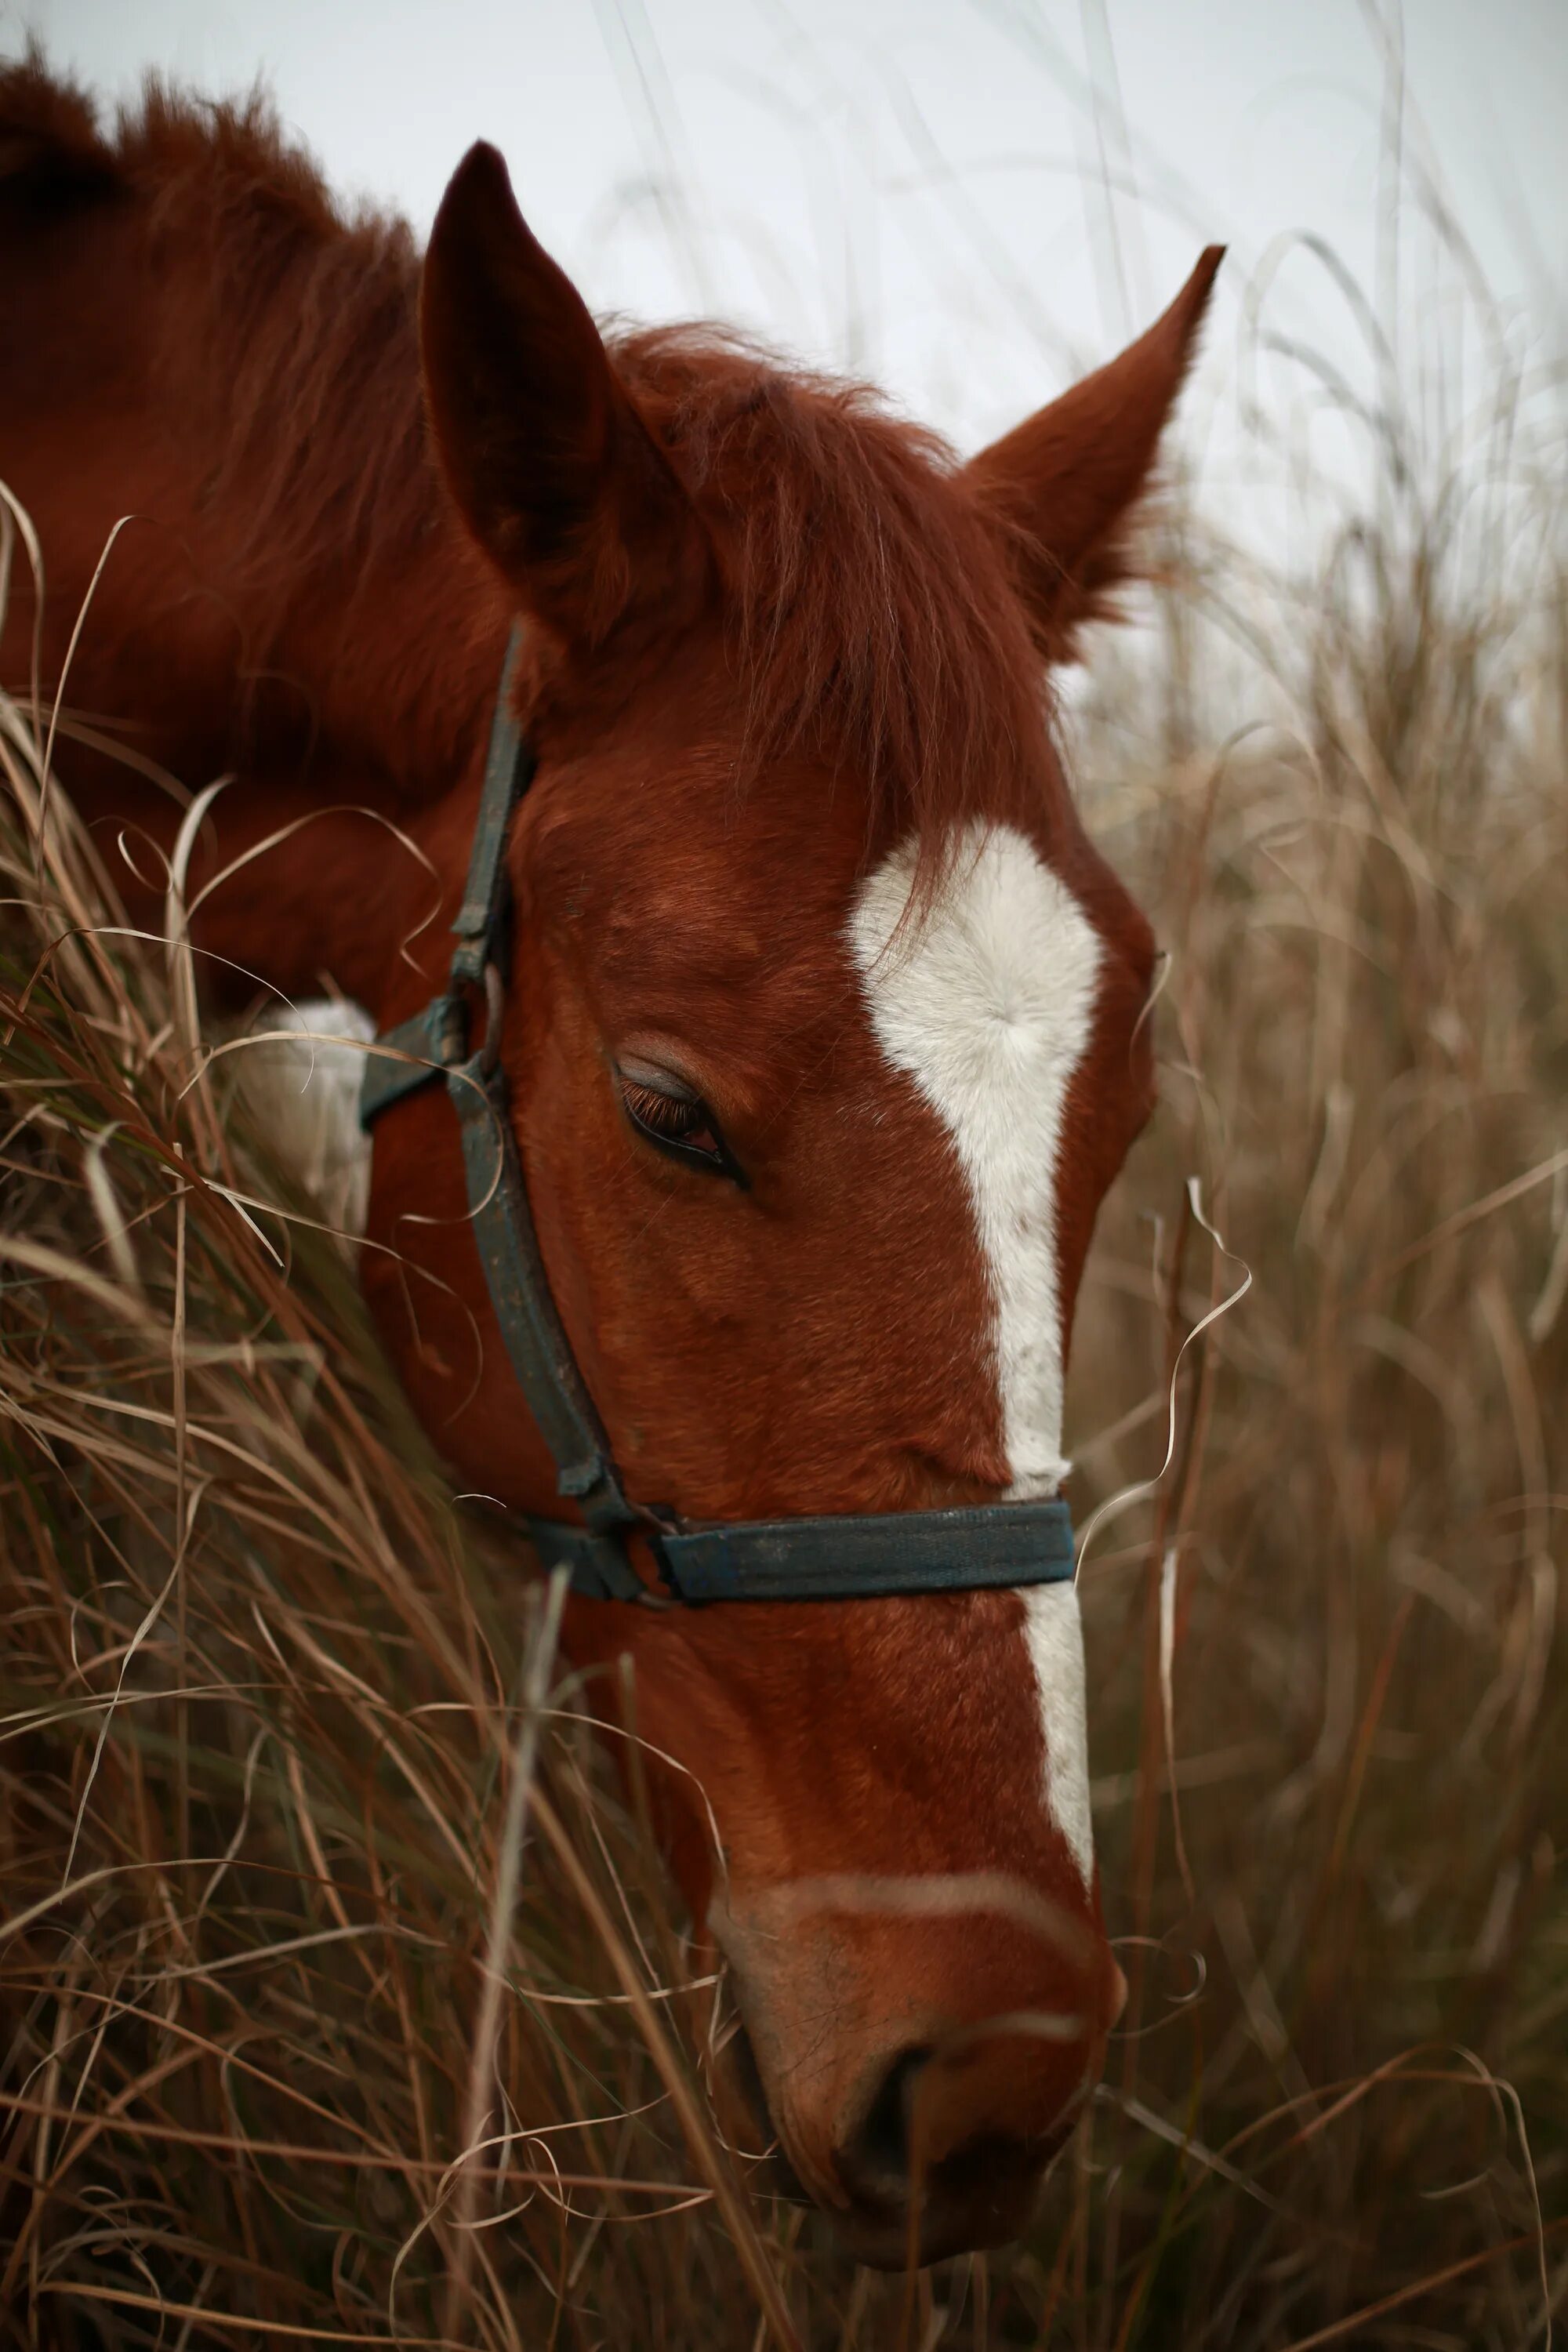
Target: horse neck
x=293, y=601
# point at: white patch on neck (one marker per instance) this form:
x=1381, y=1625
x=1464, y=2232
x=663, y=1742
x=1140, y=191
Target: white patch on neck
x=987, y=1003
x=302, y=1091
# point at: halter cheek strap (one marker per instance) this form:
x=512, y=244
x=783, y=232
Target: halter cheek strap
x=826, y=1559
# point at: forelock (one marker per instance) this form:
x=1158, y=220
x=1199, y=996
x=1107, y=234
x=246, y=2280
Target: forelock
x=873, y=617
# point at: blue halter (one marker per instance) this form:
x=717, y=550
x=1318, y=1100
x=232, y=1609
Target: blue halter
x=830, y=1559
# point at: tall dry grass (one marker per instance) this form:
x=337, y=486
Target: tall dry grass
x=314, y=1883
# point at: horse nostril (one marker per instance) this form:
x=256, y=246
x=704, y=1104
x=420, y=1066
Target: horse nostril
x=876, y=2160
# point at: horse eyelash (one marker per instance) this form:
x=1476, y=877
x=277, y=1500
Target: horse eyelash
x=672, y=1115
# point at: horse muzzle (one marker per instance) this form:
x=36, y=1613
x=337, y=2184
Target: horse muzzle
x=916, y=2079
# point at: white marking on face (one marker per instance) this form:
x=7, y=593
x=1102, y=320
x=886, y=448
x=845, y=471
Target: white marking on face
x=1053, y=1630
x=987, y=1003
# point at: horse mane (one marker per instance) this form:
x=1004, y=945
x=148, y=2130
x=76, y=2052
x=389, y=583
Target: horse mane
x=871, y=612
x=288, y=311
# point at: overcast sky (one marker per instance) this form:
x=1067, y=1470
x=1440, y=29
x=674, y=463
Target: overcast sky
x=964, y=199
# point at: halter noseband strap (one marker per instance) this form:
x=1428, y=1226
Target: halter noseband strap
x=829, y=1559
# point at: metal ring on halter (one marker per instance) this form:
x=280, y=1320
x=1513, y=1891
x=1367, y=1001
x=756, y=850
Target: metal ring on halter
x=495, y=1006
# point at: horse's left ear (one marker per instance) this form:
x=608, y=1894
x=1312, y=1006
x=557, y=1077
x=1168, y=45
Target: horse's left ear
x=1065, y=485
x=543, y=448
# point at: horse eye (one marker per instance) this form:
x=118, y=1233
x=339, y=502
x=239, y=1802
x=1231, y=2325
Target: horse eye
x=676, y=1121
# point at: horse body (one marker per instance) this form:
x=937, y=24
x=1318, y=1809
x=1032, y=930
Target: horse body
x=824, y=1030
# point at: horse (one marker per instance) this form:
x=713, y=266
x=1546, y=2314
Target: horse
x=825, y=1026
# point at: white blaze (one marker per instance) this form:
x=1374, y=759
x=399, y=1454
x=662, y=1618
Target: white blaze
x=987, y=1003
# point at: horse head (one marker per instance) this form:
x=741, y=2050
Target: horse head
x=825, y=1038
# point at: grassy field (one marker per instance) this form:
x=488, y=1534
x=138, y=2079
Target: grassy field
x=271, y=1711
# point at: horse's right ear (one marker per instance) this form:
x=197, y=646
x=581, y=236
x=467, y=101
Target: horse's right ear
x=1066, y=485
x=553, y=468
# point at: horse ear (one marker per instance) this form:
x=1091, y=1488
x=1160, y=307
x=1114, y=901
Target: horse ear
x=551, y=464
x=1065, y=485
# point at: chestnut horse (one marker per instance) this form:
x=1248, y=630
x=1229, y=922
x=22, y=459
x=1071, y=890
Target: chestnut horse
x=826, y=1030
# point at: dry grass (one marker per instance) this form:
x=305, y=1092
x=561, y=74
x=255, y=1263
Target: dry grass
x=273, y=1717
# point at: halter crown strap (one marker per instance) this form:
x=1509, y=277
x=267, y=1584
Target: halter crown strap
x=819, y=1559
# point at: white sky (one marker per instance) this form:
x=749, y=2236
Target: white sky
x=938, y=193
